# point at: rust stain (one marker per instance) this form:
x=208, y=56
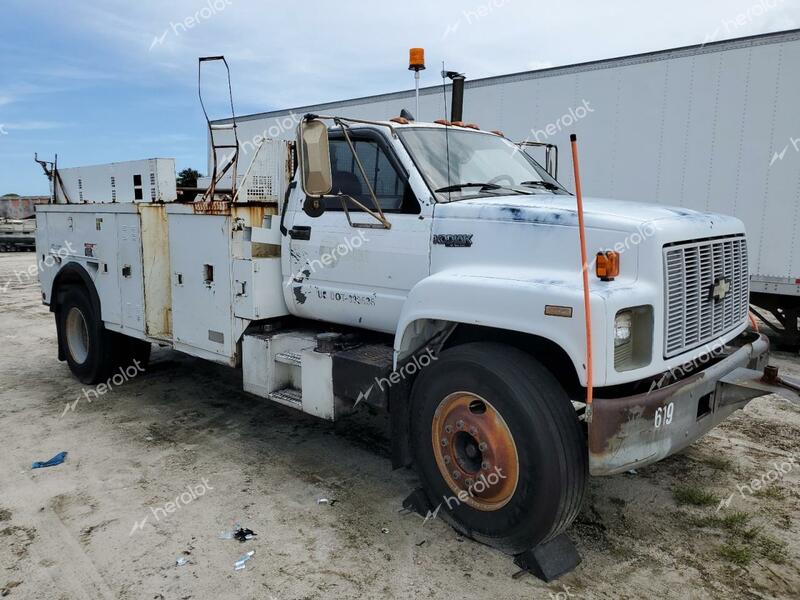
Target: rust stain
x=252, y=212
x=614, y=419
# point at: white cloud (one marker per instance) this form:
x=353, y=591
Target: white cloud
x=34, y=125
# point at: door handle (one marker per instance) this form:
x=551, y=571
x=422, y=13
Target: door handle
x=300, y=232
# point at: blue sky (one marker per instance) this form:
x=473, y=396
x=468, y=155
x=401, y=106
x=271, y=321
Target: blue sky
x=106, y=81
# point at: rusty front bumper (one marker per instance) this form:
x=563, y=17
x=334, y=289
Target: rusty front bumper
x=638, y=430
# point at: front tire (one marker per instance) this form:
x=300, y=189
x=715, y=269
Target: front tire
x=498, y=446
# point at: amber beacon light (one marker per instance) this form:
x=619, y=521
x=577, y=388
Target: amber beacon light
x=416, y=59
x=416, y=63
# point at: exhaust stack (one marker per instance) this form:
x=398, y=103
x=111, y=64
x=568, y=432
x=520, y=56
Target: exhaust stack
x=457, y=108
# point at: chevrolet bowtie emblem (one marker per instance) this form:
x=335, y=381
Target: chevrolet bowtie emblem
x=719, y=289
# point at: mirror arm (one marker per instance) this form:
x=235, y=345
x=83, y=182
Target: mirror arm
x=342, y=197
x=548, y=148
x=374, y=198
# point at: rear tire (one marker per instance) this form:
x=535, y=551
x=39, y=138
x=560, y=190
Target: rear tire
x=485, y=406
x=87, y=345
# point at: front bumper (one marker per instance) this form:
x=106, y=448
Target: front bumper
x=635, y=431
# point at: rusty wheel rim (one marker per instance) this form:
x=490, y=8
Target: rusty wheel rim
x=475, y=451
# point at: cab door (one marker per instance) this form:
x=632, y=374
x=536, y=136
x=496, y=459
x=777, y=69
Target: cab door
x=361, y=273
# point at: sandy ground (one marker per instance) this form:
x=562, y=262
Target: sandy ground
x=101, y=525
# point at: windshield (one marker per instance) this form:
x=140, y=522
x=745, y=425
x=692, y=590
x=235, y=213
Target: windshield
x=480, y=164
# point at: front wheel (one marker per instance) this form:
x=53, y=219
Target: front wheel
x=498, y=446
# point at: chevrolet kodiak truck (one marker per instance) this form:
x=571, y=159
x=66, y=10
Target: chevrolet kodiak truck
x=432, y=270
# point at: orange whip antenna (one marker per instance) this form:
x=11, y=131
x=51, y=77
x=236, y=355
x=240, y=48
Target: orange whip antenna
x=585, y=269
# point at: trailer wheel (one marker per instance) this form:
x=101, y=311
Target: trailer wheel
x=498, y=446
x=86, y=342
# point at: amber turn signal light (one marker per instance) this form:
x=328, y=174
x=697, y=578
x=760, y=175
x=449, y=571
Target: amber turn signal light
x=607, y=265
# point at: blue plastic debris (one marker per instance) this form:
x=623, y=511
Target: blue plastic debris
x=56, y=460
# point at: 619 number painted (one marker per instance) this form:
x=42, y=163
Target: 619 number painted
x=664, y=415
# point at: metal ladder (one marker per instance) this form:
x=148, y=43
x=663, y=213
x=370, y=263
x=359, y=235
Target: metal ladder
x=228, y=163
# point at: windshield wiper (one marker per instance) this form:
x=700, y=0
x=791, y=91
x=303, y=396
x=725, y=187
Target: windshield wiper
x=460, y=186
x=545, y=184
x=485, y=187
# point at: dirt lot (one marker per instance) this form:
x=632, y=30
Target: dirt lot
x=112, y=520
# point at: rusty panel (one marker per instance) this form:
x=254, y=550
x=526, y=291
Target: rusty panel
x=157, y=270
x=251, y=212
x=638, y=430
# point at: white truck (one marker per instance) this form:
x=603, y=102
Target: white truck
x=432, y=270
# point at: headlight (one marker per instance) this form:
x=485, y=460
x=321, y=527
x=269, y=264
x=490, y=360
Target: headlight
x=633, y=338
x=622, y=328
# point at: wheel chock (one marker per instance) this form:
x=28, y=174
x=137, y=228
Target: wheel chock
x=417, y=502
x=550, y=560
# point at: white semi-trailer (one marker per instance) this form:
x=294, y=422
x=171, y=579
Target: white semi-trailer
x=432, y=270
x=711, y=127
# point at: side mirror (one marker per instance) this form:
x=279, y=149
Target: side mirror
x=315, y=158
x=551, y=158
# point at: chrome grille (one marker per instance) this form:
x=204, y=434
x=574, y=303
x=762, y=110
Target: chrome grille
x=691, y=316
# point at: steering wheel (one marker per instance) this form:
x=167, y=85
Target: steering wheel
x=495, y=180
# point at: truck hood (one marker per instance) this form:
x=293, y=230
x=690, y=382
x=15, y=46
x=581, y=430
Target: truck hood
x=530, y=237
x=599, y=213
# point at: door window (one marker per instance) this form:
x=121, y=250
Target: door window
x=391, y=188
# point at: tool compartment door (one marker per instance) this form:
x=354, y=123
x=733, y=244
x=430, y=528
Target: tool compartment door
x=202, y=301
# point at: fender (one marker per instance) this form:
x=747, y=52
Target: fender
x=70, y=274
x=514, y=305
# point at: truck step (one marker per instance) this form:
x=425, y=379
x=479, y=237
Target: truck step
x=289, y=358
x=288, y=396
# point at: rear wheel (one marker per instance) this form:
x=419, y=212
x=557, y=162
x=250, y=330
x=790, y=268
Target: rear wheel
x=87, y=346
x=498, y=446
